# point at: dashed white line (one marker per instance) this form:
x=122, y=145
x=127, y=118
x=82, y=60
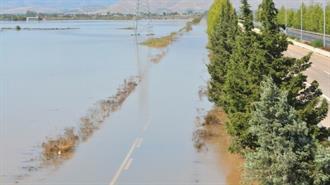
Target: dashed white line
x=139, y=143
x=124, y=163
x=146, y=126
x=129, y=162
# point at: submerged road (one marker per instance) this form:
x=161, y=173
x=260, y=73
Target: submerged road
x=319, y=71
x=150, y=140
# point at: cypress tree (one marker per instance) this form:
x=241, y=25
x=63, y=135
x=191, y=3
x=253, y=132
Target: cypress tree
x=214, y=15
x=244, y=74
x=221, y=43
x=246, y=16
x=287, y=73
x=242, y=79
x=274, y=41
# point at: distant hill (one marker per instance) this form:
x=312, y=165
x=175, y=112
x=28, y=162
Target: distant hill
x=158, y=6
x=115, y=6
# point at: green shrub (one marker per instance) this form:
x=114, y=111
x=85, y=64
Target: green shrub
x=317, y=43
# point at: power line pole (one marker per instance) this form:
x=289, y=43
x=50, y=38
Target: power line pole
x=301, y=20
x=324, y=22
x=286, y=17
x=137, y=10
x=143, y=24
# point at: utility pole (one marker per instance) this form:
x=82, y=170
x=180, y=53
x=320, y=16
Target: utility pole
x=324, y=22
x=301, y=20
x=138, y=4
x=286, y=17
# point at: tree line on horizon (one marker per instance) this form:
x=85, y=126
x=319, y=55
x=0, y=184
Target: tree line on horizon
x=274, y=114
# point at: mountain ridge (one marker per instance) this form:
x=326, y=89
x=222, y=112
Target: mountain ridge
x=120, y=6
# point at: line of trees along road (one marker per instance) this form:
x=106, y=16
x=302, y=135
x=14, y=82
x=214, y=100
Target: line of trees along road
x=274, y=116
x=312, y=17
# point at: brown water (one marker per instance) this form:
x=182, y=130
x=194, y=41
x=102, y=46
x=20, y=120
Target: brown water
x=49, y=80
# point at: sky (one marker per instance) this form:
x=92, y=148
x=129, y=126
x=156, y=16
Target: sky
x=75, y=4
x=58, y=4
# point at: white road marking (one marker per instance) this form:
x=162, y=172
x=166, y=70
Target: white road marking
x=146, y=126
x=129, y=162
x=327, y=72
x=124, y=163
x=139, y=143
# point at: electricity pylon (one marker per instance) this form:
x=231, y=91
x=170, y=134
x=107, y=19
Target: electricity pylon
x=143, y=23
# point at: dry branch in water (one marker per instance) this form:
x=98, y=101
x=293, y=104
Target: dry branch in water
x=208, y=127
x=63, y=144
x=158, y=57
x=97, y=116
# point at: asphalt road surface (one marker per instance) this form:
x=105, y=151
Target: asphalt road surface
x=307, y=36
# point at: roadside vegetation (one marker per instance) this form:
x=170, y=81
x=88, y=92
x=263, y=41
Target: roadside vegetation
x=163, y=42
x=312, y=17
x=274, y=115
x=160, y=42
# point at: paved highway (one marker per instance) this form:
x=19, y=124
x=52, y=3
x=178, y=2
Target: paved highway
x=319, y=71
x=308, y=36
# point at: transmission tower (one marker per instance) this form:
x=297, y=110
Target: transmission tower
x=143, y=22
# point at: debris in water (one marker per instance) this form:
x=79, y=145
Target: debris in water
x=55, y=150
x=92, y=122
x=207, y=127
x=158, y=57
x=52, y=148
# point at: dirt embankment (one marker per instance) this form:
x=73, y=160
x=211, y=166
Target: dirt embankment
x=211, y=132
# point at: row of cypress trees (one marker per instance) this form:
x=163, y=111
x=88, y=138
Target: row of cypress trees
x=274, y=114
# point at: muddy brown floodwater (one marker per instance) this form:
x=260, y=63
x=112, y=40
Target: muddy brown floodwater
x=211, y=132
x=61, y=75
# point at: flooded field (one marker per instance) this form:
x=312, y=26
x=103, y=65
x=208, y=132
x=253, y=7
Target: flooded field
x=51, y=80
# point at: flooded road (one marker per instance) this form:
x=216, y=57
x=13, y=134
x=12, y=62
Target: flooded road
x=50, y=79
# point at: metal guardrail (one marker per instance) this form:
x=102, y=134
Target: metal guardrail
x=308, y=36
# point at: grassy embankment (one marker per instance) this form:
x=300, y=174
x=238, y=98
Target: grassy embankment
x=162, y=42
